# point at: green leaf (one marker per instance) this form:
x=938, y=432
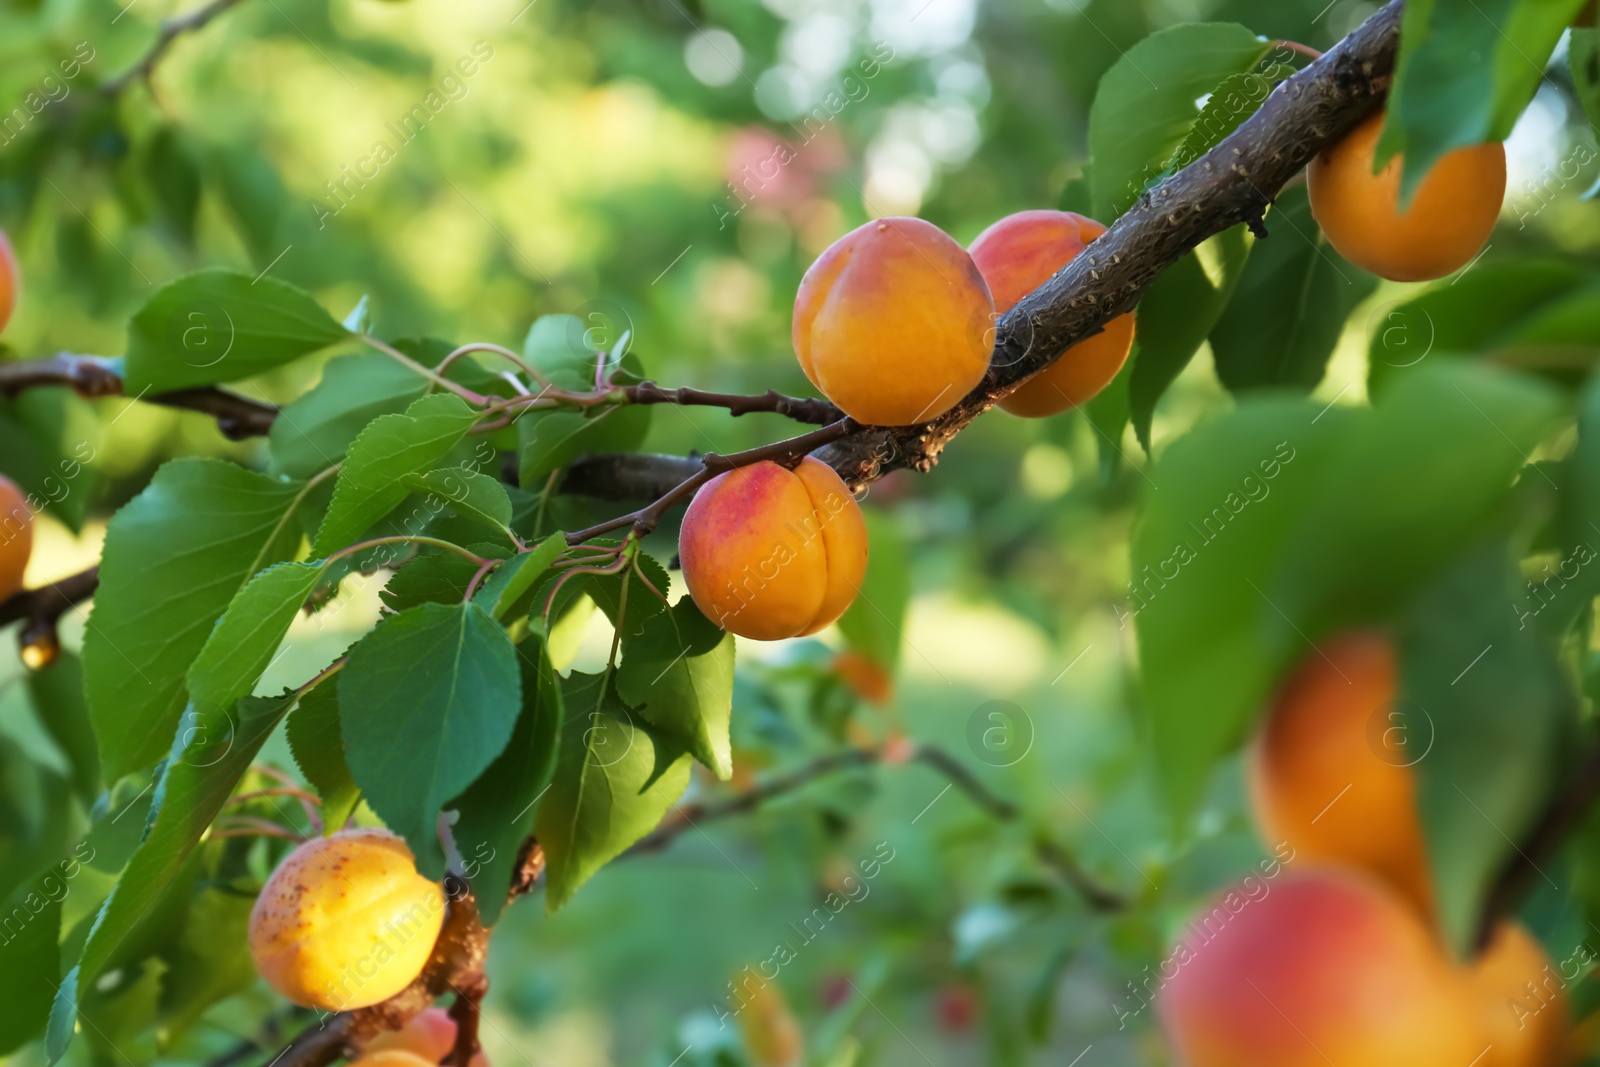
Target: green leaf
x=497, y=812
x=211, y=959
x=598, y=804
x=548, y=440
x=1145, y=105
x=505, y=594
x=314, y=431
x=62, y=709
x=1498, y=718
x=437, y=578
x=1289, y=306
x=30, y=964
x=174, y=557
x=1583, y=59
x=50, y=439
x=874, y=623
x=241, y=646
x=1539, y=314
x=1466, y=71
x=1107, y=414
x=209, y=756
x=468, y=493
x=427, y=701
x=1176, y=314
x=369, y=484
x=172, y=166
x=678, y=674
x=220, y=326
x=317, y=744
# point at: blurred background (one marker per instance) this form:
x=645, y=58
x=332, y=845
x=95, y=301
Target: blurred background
x=670, y=168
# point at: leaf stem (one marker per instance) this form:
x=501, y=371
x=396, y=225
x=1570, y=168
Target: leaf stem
x=476, y=399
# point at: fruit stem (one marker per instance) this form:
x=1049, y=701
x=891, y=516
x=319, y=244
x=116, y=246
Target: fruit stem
x=1296, y=46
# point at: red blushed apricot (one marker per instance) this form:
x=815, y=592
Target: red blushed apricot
x=394, y=1057
x=894, y=323
x=1521, y=1002
x=430, y=1035
x=16, y=537
x=770, y=553
x=1330, y=771
x=1312, y=968
x=345, y=922
x=1017, y=255
x=10, y=280
x=1449, y=218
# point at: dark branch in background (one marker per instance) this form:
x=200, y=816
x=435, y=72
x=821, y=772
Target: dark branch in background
x=1565, y=811
x=48, y=603
x=171, y=29
x=237, y=417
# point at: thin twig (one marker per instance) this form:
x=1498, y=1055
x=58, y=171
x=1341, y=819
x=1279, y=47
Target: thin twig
x=171, y=29
x=800, y=409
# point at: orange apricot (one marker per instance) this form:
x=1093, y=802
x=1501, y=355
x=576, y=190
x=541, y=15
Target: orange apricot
x=769, y=552
x=431, y=1034
x=10, y=280
x=393, y=1057
x=16, y=537
x=1310, y=968
x=894, y=323
x=771, y=1033
x=1521, y=1002
x=345, y=922
x=1448, y=220
x=1017, y=255
x=1330, y=772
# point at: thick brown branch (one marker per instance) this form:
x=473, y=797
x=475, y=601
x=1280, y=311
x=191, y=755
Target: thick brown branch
x=171, y=29
x=237, y=417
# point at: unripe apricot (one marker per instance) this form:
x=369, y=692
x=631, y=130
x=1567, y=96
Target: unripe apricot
x=1315, y=967
x=10, y=280
x=893, y=322
x=1017, y=255
x=1520, y=1000
x=1330, y=771
x=345, y=922
x=1449, y=218
x=770, y=553
x=16, y=537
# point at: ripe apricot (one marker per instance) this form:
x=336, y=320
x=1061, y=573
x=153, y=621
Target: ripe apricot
x=1449, y=218
x=345, y=922
x=1310, y=968
x=1330, y=771
x=1521, y=1002
x=393, y=1057
x=431, y=1034
x=10, y=280
x=769, y=552
x=893, y=322
x=1017, y=255
x=16, y=537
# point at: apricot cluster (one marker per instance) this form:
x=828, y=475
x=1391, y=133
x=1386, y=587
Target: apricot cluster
x=345, y=922
x=1446, y=222
x=1338, y=958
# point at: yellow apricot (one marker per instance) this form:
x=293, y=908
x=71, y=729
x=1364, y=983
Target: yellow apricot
x=769, y=552
x=1017, y=255
x=1330, y=770
x=10, y=280
x=1521, y=1001
x=345, y=922
x=16, y=537
x=393, y=1057
x=894, y=323
x=1449, y=218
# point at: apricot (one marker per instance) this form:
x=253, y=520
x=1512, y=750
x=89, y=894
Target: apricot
x=1315, y=967
x=1521, y=1003
x=393, y=1057
x=16, y=537
x=10, y=280
x=770, y=553
x=771, y=1033
x=894, y=323
x=1449, y=218
x=345, y=922
x=1329, y=772
x=431, y=1035
x=1017, y=255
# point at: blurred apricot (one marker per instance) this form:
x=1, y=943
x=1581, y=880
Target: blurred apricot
x=894, y=323
x=1522, y=1004
x=10, y=280
x=1447, y=221
x=1330, y=771
x=771, y=1033
x=870, y=681
x=769, y=552
x=1017, y=255
x=16, y=537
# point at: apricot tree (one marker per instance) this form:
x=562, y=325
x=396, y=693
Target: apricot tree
x=1324, y=586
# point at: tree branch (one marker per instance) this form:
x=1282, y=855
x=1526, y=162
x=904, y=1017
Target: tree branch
x=818, y=412
x=171, y=29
